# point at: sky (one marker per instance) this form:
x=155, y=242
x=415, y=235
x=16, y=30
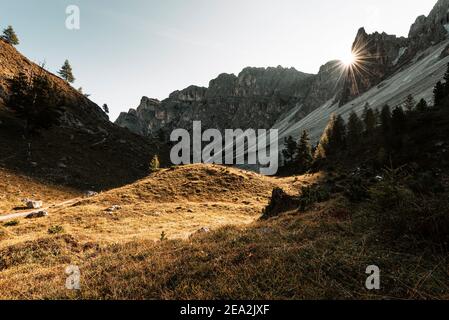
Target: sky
x=126, y=49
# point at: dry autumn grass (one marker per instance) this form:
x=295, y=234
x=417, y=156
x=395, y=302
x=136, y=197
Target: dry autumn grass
x=318, y=254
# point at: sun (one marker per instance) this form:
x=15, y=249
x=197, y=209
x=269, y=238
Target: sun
x=349, y=59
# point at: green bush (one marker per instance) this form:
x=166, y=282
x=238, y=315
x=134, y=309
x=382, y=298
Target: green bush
x=311, y=195
x=11, y=223
x=396, y=213
x=55, y=230
x=356, y=190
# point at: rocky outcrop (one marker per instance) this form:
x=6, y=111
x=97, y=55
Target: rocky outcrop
x=253, y=99
x=377, y=55
x=259, y=97
x=381, y=55
x=430, y=30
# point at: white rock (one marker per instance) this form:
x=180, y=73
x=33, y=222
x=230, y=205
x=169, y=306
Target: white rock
x=90, y=194
x=32, y=204
x=113, y=208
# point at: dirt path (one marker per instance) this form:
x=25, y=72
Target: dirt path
x=5, y=217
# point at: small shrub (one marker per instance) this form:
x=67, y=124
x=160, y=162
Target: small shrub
x=311, y=195
x=11, y=223
x=425, y=183
x=356, y=190
x=55, y=230
x=155, y=164
x=396, y=213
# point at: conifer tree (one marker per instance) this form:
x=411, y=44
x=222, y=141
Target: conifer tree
x=398, y=121
x=304, y=156
x=333, y=139
x=438, y=93
x=66, y=72
x=409, y=103
x=369, y=120
x=446, y=83
x=290, y=147
x=355, y=131
x=105, y=108
x=422, y=105
x=385, y=119
x=34, y=101
x=9, y=35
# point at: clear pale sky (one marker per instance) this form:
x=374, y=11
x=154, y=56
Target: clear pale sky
x=126, y=49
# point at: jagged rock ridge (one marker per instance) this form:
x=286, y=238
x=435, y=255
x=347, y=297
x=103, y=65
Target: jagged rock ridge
x=253, y=99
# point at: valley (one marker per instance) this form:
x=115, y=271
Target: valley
x=97, y=210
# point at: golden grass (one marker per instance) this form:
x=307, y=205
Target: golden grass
x=14, y=187
x=177, y=202
x=315, y=255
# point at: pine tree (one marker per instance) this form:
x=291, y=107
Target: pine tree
x=337, y=140
x=105, y=108
x=304, y=156
x=385, y=119
x=438, y=93
x=333, y=139
x=369, y=120
x=355, y=130
x=446, y=83
x=66, y=72
x=155, y=164
x=398, y=121
x=34, y=101
x=9, y=35
x=409, y=103
x=422, y=105
x=290, y=147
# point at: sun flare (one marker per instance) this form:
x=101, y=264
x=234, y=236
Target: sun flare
x=349, y=59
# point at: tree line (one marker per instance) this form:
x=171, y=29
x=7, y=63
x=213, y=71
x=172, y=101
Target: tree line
x=387, y=129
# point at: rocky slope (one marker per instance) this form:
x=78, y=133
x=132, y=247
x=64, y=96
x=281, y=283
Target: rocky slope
x=253, y=99
x=261, y=98
x=382, y=55
x=85, y=151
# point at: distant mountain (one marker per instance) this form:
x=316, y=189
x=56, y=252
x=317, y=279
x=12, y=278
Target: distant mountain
x=291, y=101
x=392, y=69
x=253, y=99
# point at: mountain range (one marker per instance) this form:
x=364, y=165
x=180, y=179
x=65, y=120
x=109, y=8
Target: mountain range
x=291, y=101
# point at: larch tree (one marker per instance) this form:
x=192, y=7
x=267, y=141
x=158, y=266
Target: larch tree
x=66, y=72
x=9, y=35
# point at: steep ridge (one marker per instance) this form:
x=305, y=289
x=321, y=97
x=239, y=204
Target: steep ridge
x=418, y=79
x=290, y=101
x=84, y=151
x=253, y=99
x=393, y=69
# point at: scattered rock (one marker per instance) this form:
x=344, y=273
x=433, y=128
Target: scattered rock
x=203, y=230
x=37, y=214
x=32, y=204
x=90, y=194
x=113, y=208
x=280, y=203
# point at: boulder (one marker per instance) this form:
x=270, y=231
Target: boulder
x=280, y=203
x=37, y=214
x=32, y=204
x=113, y=208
